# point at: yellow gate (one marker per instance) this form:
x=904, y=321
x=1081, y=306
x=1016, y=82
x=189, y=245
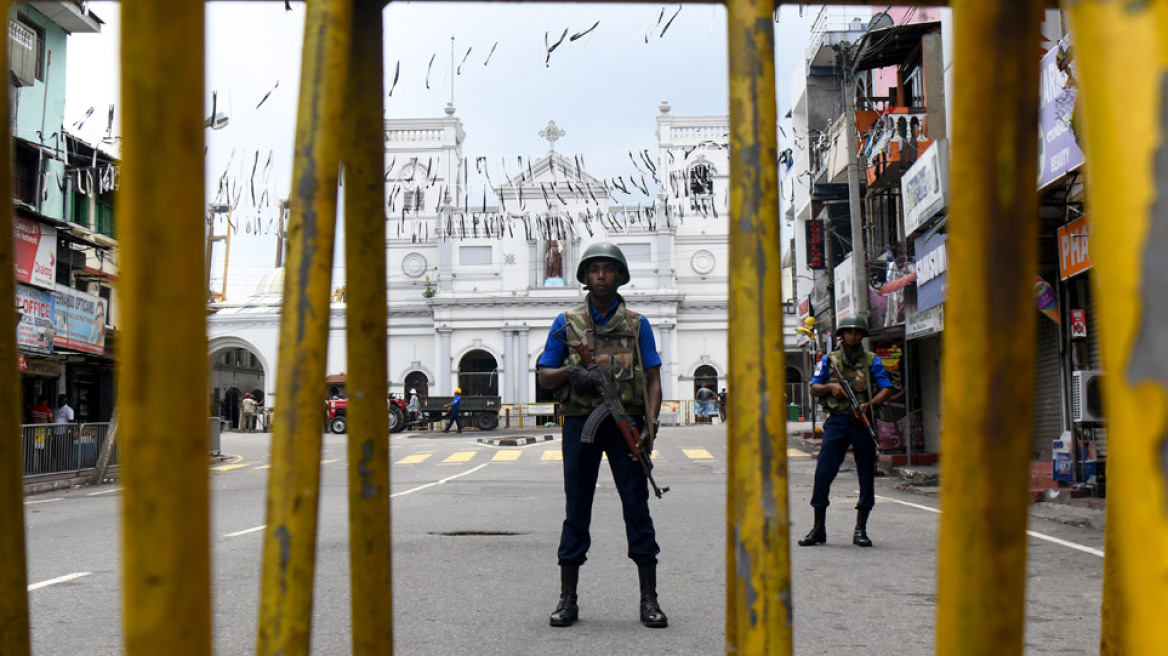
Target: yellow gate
x=1123, y=70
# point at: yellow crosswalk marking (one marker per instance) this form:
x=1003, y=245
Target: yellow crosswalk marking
x=414, y=459
x=461, y=456
x=698, y=454
x=553, y=454
x=329, y=462
x=264, y=467
x=230, y=467
x=506, y=456
x=796, y=453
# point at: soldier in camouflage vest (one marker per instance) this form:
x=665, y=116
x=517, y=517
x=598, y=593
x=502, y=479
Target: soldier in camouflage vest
x=864, y=372
x=622, y=344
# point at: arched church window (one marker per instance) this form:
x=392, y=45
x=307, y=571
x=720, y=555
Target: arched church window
x=701, y=180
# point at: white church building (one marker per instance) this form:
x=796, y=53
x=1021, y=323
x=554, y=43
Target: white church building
x=473, y=288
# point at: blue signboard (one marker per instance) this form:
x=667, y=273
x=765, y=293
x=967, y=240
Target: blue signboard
x=932, y=271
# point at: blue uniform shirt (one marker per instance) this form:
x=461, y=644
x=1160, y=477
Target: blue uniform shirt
x=456, y=403
x=879, y=374
x=555, y=351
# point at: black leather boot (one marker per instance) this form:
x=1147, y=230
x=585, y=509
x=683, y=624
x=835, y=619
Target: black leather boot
x=818, y=534
x=860, y=539
x=567, y=612
x=651, y=614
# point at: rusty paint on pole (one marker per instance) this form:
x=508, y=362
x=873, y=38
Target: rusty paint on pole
x=14, y=633
x=289, y=561
x=162, y=374
x=758, y=570
x=988, y=392
x=370, y=562
x=1122, y=68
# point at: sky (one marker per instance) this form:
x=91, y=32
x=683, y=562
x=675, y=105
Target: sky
x=602, y=89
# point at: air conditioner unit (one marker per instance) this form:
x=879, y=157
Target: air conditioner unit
x=1086, y=396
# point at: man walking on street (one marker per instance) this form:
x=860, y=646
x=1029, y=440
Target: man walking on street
x=622, y=344
x=862, y=370
x=455, y=406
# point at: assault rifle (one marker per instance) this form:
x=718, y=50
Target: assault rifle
x=856, y=408
x=611, y=406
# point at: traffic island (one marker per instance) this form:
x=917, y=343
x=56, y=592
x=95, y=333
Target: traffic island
x=514, y=440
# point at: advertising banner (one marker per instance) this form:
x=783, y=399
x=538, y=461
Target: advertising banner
x=1058, y=146
x=845, y=289
x=932, y=276
x=1074, y=257
x=34, y=252
x=924, y=189
x=34, y=333
x=80, y=320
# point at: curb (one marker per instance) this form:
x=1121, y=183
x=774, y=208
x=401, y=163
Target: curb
x=513, y=441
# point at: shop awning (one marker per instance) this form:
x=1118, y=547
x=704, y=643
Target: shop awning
x=898, y=284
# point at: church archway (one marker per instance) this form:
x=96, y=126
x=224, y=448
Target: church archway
x=706, y=375
x=416, y=380
x=478, y=374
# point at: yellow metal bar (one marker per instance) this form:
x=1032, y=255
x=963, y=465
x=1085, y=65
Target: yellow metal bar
x=163, y=368
x=988, y=392
x=1121, y=54
x=294, y=480
x=14, y=633
x=758, y=559
x=370, y=563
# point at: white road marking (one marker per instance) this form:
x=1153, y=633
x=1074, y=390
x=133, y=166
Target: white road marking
x=448, y=478
x=1033, y=534
x=59, y=579
x=115, y=489
x=29, y=503
x=245, y=531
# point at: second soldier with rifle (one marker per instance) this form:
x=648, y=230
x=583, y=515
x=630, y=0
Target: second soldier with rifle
x=598, y=348
x=849, y=382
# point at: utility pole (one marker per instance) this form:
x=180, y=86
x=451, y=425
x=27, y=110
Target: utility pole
x=281, y=222
x=859, y=253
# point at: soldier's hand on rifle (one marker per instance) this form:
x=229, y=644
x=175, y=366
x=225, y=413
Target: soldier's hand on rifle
x=837, y=391
x=582, y=379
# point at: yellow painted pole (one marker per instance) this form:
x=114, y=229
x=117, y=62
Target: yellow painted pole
x=1121, y=53
x=285, y=623
x=758, y=558
x=990, y=322
x=162, y=364
x=370, y=554
x=14, y=634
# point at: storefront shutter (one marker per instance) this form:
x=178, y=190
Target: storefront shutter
x=1047, y=390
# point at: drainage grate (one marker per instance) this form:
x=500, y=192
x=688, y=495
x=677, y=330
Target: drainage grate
x=473, y=533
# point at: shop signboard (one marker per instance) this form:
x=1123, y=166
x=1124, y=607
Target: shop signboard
x=80, y=320
x=1058, y=147
x=932, y=266
x=35, y=367
x=845, y=289
x=34, y=332
x=816, y=253
x=34, y=252
x=924, y=189
x=923, y=324
x=1074, y=257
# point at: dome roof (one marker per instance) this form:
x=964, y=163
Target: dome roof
x=272, y=283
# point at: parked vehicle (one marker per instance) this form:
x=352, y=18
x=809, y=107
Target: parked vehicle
x=481, y=412
x=336, y=420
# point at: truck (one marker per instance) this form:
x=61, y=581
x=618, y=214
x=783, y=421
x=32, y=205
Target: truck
x=481, y=412
x=336, y=420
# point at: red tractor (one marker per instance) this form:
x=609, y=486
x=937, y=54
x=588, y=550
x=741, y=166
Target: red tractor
x=336, y=420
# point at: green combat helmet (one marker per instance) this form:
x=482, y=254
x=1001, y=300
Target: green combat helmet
x=602, y=250
x=856, y=321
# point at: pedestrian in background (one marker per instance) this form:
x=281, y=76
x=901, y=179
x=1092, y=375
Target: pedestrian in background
x=414, y=407
x=722, y=405
x=622, y=344
x=455, y=406
x=705, y=398
x=864, y=371
x=249, y=413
